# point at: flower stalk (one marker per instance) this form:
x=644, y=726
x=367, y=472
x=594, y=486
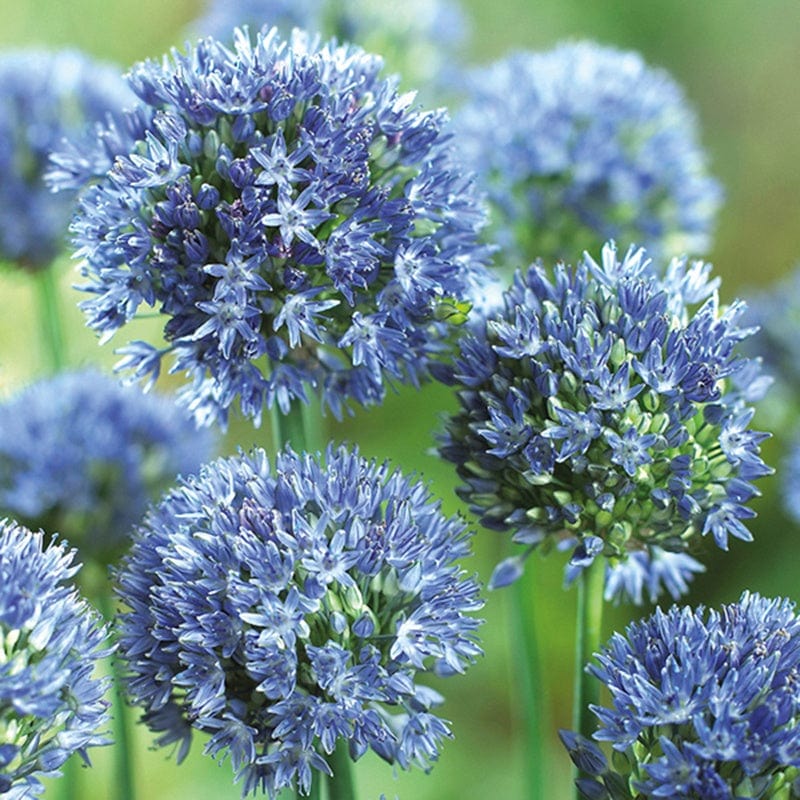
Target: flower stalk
x=340, y=784
x=526, y=659
x=587, y=642
x=51, y=327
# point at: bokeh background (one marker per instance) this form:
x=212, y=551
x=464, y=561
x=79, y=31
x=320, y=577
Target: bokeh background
x=739, y=62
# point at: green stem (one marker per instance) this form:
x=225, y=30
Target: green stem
x=123, y=764
x=50, y=318
x=529, y=684
x=340, y=784
x=289, y=428
x=68, y=782
x=588, y=640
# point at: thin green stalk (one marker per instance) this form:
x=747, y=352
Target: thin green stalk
x=123, y=756
x=528, y=680
x=289, y=428
x=340, y=784
x=50, y=318
x=68, y=782
x=588, y=640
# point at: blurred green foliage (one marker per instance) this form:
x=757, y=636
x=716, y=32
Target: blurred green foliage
x=739, y=63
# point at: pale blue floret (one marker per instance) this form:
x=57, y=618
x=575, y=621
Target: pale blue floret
x=704, y=705
x=51, y=704
x=583, y=144
x=45, y=98
x=284, y=608
x=601, y=410
x=296, y=221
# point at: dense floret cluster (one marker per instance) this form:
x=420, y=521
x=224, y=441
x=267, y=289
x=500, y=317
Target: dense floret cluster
x=418, y=38
x=705, y=706
x=82, y=456
x=45, y=97
x=284, y=609
x=583, y=144
x=50, y=704
x=295, y=221
x=599, y=410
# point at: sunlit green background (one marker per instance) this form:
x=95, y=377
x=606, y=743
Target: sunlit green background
x=739, y=62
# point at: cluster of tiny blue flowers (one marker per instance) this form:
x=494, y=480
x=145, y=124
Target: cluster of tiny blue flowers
x=583, y=144
x=415, y=37
x=50, y=641
x=775, y=311
x=282, y=610
x=82, y=456
x=296, y=222
x=704, y=706
x=598, y=411
x=44, y=98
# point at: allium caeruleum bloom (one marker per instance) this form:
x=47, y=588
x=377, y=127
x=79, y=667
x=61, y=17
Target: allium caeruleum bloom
x=295, y=221
x=283, y=609
x=50, y=641
x=705, y=705
x=418, y=38
x=583, y=144
x=44, y=98
x=599, y=411
x=83, y=456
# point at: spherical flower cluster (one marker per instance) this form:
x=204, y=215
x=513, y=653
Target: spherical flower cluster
x=416, y=37
x=44, y=98
x=599, y=410
x=775, y=311
x=295, y=221
x=704, y=706
x=50, y=705
x=83, y=456
x=583, y=144
x=282, y=610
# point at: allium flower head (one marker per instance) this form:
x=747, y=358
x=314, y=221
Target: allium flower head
x=583, y=144
x=45, y=98
x=294, y=220
x=50, y=641
x=599, y=410
x=705, y=705
x=83, y=456
x=283, y=609
x=416, y=37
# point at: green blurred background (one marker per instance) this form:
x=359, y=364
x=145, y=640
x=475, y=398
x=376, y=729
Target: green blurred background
x=739, y=62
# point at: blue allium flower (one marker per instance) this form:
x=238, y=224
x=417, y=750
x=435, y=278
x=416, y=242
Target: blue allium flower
x=83, y=456
x=284, y=609
x=294, y=220
x=705, y=705
x=583, y=144
x=600, y=410
x=418, y=38
x=45, y=97
x=50, y=641
x=776, y=312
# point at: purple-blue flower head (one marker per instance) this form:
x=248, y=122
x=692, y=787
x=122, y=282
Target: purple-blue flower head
x=51, y=705
x=45, y=97
x=600, y=411
x=284, y=608
x=82, y=456
x=295, y=221
x=583, y=144
x=417, y=38
x=704, y=705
